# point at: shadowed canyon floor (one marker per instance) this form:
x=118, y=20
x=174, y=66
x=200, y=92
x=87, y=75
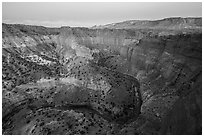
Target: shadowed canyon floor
x=110, y=79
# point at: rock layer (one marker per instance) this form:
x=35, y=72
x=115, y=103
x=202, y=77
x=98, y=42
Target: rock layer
x=111, y=72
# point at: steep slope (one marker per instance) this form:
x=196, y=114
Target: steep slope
x=135, y=81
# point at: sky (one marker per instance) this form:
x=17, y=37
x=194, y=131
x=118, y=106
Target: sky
x=88, y=14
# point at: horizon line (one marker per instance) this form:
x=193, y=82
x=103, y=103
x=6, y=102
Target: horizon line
x=159, y=19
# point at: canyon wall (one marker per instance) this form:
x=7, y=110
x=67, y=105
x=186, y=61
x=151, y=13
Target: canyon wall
x=167, y=64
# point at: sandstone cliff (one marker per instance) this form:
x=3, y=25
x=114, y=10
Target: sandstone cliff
x=145, y=78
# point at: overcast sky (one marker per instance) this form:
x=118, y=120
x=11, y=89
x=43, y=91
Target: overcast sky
x=89, y=14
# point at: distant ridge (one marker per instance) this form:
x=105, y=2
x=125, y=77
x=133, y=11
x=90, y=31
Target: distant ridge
x=166, y=23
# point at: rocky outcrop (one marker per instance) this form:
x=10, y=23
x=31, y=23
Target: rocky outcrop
x=138, y=81
x=118, y=94
x=105, y=99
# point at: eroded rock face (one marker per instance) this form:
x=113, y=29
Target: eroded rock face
x=39, y=102
x=150, y=80
x=117, y=94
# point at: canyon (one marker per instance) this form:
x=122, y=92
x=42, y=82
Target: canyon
x=134, y=77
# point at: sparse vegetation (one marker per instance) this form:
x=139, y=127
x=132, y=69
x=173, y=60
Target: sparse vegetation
x=101, y=81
